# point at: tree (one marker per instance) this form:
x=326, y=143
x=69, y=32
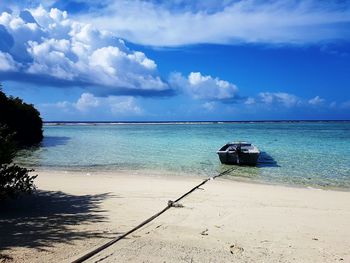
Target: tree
x=13, y=179
x=20, y=125
x=22, y=119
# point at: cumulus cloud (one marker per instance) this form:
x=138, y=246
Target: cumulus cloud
x=87, y=102
x=205, y=87
x=250, y=101
x=316, y=101
x=6, y=62
x=120, y=105
x=177, y=23
x=287, y=100
x=209, y=106
x=49, y=45
x=280, y=98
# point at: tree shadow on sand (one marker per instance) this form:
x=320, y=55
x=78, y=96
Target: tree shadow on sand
x=44, y=218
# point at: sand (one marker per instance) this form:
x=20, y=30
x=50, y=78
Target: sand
x=224, y=221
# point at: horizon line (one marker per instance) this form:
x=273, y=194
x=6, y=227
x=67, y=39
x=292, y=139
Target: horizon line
x=196, y=121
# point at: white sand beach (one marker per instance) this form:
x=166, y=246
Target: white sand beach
x=224, y=221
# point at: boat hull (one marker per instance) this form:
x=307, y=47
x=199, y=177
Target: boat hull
x=241, y=153
x=241, y=159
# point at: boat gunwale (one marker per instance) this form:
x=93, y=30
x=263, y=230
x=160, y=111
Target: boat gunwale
x=253, y=150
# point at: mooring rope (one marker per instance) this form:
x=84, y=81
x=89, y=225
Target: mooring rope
x=170, y=204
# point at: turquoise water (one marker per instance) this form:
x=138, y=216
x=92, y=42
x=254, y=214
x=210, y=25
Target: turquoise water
x=307, y=153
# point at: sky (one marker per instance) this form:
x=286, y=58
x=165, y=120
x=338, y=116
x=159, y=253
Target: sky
x=177, y=60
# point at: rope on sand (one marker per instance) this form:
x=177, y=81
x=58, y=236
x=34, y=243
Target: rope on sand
x=170, y=204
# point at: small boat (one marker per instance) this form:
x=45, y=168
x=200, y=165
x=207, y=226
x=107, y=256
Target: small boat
x=243, y=153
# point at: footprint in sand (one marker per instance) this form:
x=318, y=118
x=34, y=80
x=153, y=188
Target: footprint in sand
x=205, y=232
x=234, y=249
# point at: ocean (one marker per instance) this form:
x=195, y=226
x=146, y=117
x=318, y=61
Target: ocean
x=312, y=154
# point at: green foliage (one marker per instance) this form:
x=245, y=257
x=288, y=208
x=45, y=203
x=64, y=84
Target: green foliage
x=22, y=119
x=20, y=124
x=7, y=146
x=13, y=179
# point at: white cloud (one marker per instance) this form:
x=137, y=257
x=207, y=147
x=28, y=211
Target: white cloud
x=282, y=98
x=204, y=87
x=49, y=58
x=121, y=105
x=56, y=47
x=173, y=23
x=277, y=99
x=88, y=103
x=250, y=101
x=316, y=101
x=209, y=106
x=6, y=62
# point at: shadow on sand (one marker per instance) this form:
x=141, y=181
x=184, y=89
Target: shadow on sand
x=44, y=218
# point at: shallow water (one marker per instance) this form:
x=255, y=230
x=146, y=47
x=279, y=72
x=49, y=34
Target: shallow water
x=304, y=153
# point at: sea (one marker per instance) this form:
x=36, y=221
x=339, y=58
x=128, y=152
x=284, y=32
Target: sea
x=313, y=154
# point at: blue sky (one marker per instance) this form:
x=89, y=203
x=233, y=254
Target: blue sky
x=178, y=60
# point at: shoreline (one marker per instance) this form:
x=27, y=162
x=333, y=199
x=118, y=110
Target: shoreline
x=224, y=221
x=168, y=173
